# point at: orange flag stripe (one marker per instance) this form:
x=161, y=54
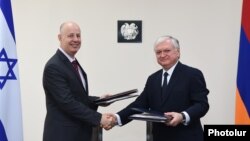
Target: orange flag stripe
x=241, y=116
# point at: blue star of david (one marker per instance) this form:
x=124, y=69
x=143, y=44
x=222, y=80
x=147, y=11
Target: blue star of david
x=10, y=75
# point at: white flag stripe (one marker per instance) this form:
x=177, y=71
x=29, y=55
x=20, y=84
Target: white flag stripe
x=10, y=100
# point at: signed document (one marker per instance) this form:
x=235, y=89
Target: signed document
x=149, y=115
x=117, y=97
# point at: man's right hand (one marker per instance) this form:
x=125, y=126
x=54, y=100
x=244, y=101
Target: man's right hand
x=108, y=121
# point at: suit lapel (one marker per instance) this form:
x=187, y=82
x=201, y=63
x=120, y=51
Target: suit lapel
x=70, y=66
x=155, y=88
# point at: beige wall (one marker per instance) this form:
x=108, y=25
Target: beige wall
x=208, y=32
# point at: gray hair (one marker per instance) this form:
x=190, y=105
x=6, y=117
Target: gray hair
x=161, y=39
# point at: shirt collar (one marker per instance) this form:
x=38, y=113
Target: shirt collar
x=70, y=58
x=170, y=71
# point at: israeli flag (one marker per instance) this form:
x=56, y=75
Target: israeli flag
x=10, y=100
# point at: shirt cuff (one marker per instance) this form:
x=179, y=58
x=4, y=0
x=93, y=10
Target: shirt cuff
x=187, y=117
x=119, y=123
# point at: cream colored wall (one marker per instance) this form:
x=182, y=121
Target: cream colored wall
x=208, y=32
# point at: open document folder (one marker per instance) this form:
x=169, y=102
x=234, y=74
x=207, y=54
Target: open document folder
x=116, y=97
x=149, y=115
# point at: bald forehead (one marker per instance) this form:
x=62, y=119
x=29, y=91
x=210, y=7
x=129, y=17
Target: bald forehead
x=66, y=25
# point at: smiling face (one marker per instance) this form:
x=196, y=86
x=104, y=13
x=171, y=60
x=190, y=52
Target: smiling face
x=70, y=38
x=166, y=53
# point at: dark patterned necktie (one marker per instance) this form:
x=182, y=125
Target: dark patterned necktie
x=75, y=65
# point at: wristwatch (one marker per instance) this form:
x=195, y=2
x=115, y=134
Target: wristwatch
x=183, y=118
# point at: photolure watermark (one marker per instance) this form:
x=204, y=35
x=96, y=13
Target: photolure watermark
x=239, y=132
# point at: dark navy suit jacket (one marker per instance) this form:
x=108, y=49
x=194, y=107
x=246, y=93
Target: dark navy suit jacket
x=71, y=114
x=186, y=92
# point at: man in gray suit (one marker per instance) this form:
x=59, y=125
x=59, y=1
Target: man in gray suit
x=71, y=112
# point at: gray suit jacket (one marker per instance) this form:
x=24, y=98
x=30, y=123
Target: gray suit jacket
x=71, y=114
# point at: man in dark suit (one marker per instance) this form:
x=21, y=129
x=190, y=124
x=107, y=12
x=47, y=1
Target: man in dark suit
x=71, y=113
x=184, y=99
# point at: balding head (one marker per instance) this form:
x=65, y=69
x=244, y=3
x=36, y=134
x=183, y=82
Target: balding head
x=70, y=37
x=68, y=24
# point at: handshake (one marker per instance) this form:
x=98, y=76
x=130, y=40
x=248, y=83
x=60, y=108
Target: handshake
x=108, y=121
